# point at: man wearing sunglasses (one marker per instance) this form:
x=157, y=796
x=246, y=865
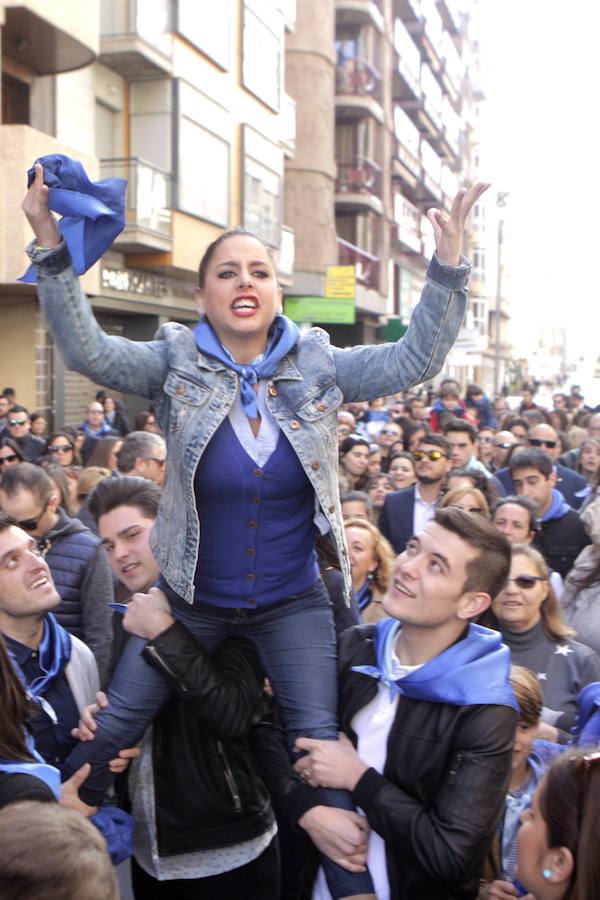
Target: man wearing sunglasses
x=501, y=444
x=78, y=563
x=406, y=512
x=17, y=426
x=571, y=485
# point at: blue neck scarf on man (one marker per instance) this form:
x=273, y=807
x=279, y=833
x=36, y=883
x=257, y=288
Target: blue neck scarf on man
x=473, y=670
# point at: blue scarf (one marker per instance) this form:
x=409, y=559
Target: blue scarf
x=558, y=508
x=474, y=670
x=283, y=334
x=54, y=655
x=93, y=213
x=363, y=595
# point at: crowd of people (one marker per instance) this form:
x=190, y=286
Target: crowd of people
x=305, y=642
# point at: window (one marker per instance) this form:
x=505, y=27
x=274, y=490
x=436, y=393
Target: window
x=261, y=58
x=203, y=156
x=207, y=28
x=262, y=174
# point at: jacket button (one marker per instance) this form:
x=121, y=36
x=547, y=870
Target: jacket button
x=251, y=601
x=273, y=391
x=250, y=551
x=258, y=473
x=332, y=509
x=251, y=524
x=322, y=407
x=294, y=424
x=316, y=465
x=255, y=499
x=179, y=389
x=250, y=577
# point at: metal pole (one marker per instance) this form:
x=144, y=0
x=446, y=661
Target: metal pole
x=500, y=203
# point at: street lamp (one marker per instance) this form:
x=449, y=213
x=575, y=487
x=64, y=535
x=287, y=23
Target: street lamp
x=500, y=203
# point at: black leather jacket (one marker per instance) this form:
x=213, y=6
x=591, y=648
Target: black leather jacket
x=442, y=791
x=206, y=791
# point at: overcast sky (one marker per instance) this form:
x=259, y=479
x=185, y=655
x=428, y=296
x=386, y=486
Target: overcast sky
x=540, y=75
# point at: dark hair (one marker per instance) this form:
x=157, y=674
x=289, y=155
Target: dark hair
x=455, y=425
x=489, y=570
x=136, y=445
x=381, y=475
x=353, y=440
x=16, y=408
x=528, y=694
x=520, y=500
x=102, y=450
x=26, y=476
x=563, y=418
x=69, y=435
x=142, y=418
x=479, y=480
x=516, y=420
x=58, y=476
x=473, y=390
x=412, y=430
x=210, y=251
x=15, y=708
x=437, y=440
x=532, y=458
x=125, y=490
x=403, y=454
x=10, y=442
x=569, y=804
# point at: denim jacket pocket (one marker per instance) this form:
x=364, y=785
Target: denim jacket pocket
x=321, y=404
x=185, y=394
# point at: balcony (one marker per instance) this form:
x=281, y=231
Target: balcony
x=50, y=38
x=360, y=12
x=406, y=167
x=424, y=116
x=407, y=10
x=450, y=15
x=357, y=89
x=358, y=185
x=366, y=267
x=421, y=35
x=148, y=225
x=135, y=39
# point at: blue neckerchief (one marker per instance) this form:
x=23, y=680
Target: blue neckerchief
x=93, y=213
x=558, y=508
x=363, y=595
x=587, y=725
x=116, y=827
x=438, y=407
x=54, y=654
x=283, y=334
x=473, y=670
x=38, y=769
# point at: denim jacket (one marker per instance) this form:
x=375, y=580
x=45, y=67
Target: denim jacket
x=192, y=393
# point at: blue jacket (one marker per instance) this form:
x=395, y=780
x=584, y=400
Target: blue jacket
x=192, y=393
x=396, y=518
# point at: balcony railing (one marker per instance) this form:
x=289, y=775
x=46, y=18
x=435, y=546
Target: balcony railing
x=148, y=195
x=135, y=38
x=356, y=77
x=366, y=267
x=358, y=175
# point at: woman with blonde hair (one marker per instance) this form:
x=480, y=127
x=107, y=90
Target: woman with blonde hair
x=371, y=560
x=527, y=614
x=468, y=498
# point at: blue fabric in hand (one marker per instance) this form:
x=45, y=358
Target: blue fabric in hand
x=93, y=213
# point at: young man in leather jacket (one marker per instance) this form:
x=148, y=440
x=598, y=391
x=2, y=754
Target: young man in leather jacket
x=428, y=715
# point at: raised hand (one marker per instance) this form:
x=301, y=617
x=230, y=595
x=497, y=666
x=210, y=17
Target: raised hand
x=448, y=232
x=35, y=207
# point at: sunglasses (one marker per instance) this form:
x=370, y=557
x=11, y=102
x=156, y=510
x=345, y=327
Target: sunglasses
x=388, y=431
x=8, y=459
x=161, y=462
x=432, y=454
x=60, y=448
x=17, y=421
x=486, y=440
x=32, y=524
x=504, y=446
x=526, y=582
x=538, y=442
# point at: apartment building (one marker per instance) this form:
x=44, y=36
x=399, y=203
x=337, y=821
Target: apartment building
x=382, y=135
x=187, y=105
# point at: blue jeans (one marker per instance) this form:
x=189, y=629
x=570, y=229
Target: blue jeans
x=296, y=644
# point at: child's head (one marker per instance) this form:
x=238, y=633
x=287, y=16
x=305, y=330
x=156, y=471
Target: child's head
x=529, y=696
